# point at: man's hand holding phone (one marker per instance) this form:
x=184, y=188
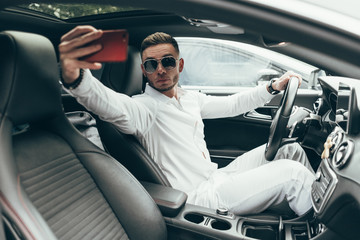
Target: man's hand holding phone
x=86, y=46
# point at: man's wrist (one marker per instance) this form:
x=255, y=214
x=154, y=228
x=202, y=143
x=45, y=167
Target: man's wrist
x=75, y=83
x=270, y=88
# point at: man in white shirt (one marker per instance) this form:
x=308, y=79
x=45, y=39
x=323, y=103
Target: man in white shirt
x=167, y=120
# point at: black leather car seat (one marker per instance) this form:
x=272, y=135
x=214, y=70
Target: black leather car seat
x=126, y=77
x=54, y=183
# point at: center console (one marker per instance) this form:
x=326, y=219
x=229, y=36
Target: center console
x=335, y=196
x=187, y=221
x=340, y=151
x=209, y=222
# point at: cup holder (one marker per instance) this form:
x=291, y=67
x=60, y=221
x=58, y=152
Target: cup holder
x=265, y=233
x=195, y=218
x=220, y=225
x=260, y=230
x=208, y=221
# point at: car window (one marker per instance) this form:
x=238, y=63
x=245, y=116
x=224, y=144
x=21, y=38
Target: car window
x=220, y=63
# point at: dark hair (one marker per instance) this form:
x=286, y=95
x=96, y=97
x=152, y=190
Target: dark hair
x=158, y=38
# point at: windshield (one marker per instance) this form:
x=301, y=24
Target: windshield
x=346, y=7
x=339, y=14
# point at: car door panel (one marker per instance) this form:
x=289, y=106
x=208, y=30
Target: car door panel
x=228, y=138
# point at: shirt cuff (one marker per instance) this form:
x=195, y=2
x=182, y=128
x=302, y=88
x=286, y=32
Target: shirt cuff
x=262, y=90
x=75, y=83
x=83, y=86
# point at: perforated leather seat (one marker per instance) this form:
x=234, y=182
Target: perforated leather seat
x=54, y=183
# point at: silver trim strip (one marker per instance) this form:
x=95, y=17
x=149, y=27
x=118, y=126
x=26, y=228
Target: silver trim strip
x=219, y=156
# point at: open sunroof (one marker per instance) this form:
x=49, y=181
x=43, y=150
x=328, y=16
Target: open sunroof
x=67, y=11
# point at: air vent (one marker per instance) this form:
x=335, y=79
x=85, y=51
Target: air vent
x=336, y=138
x=343, y=154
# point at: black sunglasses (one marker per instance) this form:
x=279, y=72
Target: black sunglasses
x=151, y=65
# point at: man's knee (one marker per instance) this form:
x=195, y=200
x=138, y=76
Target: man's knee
x=293, y=149
x=299, y=174
x=294, y=152
x=298, y=192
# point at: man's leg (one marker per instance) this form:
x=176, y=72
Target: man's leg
x=255, y=190
x=294, y=152
x=256, y=157
x=250, y=184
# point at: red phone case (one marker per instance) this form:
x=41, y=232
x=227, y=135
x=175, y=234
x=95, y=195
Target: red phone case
x=114, y=47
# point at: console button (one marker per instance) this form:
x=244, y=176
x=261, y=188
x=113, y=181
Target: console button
x=222, y=211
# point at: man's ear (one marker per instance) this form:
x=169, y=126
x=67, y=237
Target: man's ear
x=143, y=70
x=181, y=64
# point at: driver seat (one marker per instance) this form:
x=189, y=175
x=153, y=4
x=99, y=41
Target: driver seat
x=54, y=183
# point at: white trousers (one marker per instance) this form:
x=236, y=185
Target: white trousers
x=250, y=184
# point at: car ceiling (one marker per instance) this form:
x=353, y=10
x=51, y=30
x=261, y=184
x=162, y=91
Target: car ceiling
x=331, y=49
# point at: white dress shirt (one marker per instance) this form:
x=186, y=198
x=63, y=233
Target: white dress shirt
x=171, y=130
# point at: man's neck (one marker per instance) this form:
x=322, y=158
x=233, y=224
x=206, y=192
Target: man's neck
x=173, y=92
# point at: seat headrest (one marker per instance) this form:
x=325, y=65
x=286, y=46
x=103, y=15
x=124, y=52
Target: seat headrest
x=29, y=82
x=125, y=77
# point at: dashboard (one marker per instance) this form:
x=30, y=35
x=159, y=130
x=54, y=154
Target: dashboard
x=336, y=190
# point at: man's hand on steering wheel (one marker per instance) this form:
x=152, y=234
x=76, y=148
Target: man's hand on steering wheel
x=290, y=83
x=281, y=83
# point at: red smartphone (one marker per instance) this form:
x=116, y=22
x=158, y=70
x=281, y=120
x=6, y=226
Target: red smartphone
x=114, y=47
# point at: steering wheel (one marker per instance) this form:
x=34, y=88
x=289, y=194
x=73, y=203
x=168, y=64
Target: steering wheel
x=281, y=119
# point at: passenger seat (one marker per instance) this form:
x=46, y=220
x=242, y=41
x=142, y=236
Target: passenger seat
x=54, y=183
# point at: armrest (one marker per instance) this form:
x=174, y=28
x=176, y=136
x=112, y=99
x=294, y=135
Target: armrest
x=170, y=201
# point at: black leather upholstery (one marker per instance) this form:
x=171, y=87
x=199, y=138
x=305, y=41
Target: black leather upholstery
x=54, y=183
x=2, y=231
x=126, y=77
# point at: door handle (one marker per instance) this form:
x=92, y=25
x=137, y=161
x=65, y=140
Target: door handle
x=255, y=115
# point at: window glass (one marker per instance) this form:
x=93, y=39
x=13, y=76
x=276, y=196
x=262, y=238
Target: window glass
x=220, y=63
